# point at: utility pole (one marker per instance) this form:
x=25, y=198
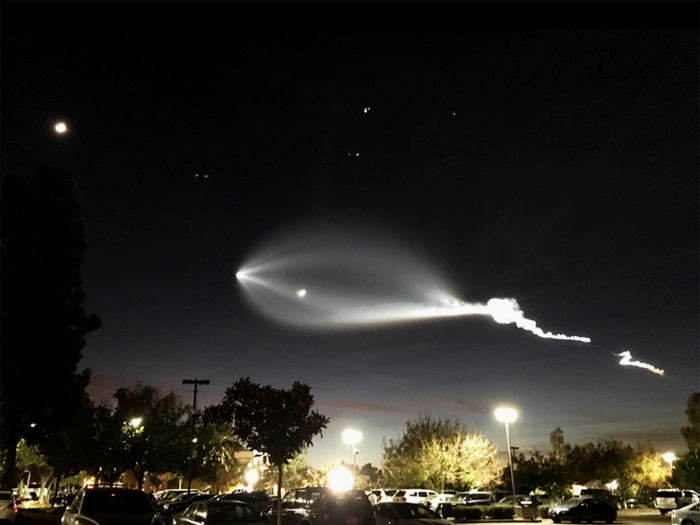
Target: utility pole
x=196, y=383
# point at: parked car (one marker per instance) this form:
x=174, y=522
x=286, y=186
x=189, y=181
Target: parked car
x=434, y=501
x=671, y=499
x=175, y=506
x=513, y=500
x=8, y=507
x=380, y=495
x=688, y=515
x=323, y=506
x=577, y=510
x=402, y=513
x=414, y=495
x=603, y=494
x=388, y=495
x=465, y=499
x=221, y=511
x=258, y=500
x=111, y=506
x=171, y=494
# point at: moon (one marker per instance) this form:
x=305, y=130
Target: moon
x=301, y=293
x=61, y=127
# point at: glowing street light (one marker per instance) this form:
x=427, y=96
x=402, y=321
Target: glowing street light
x=340, y=479
x=352, y=437
x=508, y=415
x=136, y=422
x=251, y=477
x=669, y=457
x=60, y=127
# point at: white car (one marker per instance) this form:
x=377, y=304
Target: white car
x=689, y=515
x=381, y=495
x=434, y=501
x=670, y=499
x=8, y=508
x=414, y=495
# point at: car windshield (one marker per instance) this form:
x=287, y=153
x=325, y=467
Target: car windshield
x=400, y=493
x=668, y=494
x=116, y=502
x=460, y=496
x=479, y=495
x=391, y=492
x=411, y=512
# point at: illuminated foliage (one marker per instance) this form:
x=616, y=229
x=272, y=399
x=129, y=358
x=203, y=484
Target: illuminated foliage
x=435, y=453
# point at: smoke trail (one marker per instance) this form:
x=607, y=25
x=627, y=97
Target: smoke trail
x=627, y=361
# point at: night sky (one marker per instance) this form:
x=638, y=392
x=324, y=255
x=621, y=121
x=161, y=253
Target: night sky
x=557, y=168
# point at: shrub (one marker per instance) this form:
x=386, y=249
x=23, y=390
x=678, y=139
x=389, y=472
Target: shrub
x=467, y=513
x=501, y=512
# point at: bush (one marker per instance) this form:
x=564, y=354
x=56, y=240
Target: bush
x=543, y=511
x=467, y=513
x=501, y=512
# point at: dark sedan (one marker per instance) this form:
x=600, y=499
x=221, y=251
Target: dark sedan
x=577, y=510
x=208, y=512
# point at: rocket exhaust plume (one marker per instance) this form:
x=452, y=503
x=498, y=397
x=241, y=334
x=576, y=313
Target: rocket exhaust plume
x=627, y=361
x=351, y=277
x=334, y=277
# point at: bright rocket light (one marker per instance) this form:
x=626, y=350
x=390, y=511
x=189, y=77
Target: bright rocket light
x=627, y=361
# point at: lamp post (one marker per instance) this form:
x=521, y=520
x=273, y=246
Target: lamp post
x=508, y=415
x=352, y=437
x=194, y=382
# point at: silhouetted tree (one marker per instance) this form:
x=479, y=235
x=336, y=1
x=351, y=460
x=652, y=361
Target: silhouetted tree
x=44, y=323
x=274, y=421
x=160, y=442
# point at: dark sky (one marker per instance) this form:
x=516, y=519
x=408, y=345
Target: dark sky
x=559, y=168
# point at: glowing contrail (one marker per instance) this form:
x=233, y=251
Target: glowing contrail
x=344, y=276
x=627, y=361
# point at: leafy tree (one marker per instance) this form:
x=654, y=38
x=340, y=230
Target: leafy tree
x=686, y=469
x=434, y=453
x=44, y=323
x=297, y=473
x=372, y=473
x=160, y=442
x=215, y=460
x=277, y=422
x=691, y=433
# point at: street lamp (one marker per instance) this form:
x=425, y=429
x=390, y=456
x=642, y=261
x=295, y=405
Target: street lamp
x=136, y=422
x=196, y=383
x=251, y=477
x=352, y=437
x=669, y=457
x=508, y=415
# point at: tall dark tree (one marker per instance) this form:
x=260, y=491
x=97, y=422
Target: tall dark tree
x=44, y=323
x=691, y=433
x=274, y=421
